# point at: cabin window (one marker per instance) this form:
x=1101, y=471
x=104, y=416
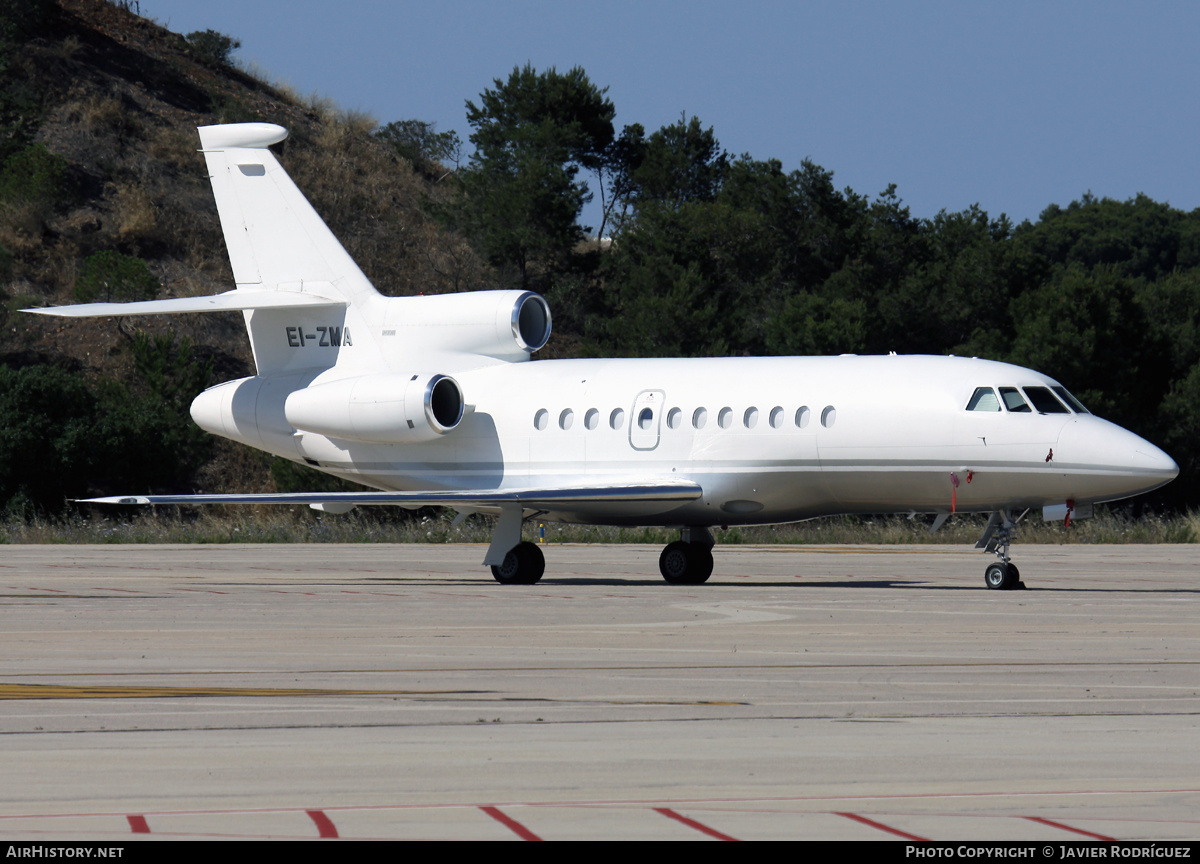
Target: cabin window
x=617, y=418
x=591, y=419
x=1043, y=400
x=674, y=418
x=565, y=419
x=776, y=417
x=725, y=418
x=983, y=399
x=699, y=418
x=750, y=418
x=646, y=418
x=828, y=416
x=802, y=416
x=1069, y=399
x=541, y=420
x=1013, y=401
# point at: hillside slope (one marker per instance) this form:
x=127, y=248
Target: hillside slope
x=114, y=100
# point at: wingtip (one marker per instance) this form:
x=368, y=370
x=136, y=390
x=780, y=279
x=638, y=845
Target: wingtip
x=114, y=499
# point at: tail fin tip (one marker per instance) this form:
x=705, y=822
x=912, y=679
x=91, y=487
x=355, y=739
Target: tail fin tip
x=249, y=136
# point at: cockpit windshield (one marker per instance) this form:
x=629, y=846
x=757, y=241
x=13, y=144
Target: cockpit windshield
x=1075, y=404
x=1013, y=401
x=983, y=399
x=1043, y=400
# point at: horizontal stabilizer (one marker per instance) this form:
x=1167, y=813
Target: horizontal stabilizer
x=566, y=498
x=230, y=301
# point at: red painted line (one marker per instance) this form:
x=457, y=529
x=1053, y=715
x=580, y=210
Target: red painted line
x=512, y=824
x=138, y=824
x=692, y=823
x=1052, y=824
x=864, y=820
x=325, y=827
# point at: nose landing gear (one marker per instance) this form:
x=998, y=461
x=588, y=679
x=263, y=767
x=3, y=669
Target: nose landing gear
x=997, y=538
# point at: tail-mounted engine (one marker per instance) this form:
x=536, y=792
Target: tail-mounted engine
x=506, y=325
x=387, y=408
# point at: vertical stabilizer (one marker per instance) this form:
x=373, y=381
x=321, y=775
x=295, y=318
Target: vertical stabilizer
x=276, y=241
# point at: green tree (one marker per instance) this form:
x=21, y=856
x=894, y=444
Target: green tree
x=1085, y=329
x=1179, y=433
x=1140, y=237
x=680, y=163
x=422, y=145
x=533, y=134
x=46, y=450
x=615, y=176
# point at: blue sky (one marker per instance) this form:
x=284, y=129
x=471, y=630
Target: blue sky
x=1012, y=105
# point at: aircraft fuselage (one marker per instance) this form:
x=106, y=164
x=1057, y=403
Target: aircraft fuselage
x=767, y=439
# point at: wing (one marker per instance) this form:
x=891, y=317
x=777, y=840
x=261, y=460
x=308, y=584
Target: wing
x=641, y=495
x=574, y=503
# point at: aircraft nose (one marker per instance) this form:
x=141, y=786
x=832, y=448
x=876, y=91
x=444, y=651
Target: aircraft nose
x=1156, y=461
x=1130, y=463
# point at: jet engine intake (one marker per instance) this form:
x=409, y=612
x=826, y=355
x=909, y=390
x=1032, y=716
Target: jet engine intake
x=506, y=325
x=386, y=408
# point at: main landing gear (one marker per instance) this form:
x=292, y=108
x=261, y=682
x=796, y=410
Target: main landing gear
x=523, y=565
x=997, y=538
x=688, y=561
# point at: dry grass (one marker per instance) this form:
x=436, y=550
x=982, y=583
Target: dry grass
x=267, y=524
x=175, y=146
x=100, y=113
x=135, y=213
x=22, y=225
x=65, y=49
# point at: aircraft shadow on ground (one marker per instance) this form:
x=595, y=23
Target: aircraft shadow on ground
x=481, y=582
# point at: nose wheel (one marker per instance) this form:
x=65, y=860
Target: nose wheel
x=1003, y=577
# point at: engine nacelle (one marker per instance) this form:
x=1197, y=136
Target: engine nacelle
x=507, y=325
x=387, y=408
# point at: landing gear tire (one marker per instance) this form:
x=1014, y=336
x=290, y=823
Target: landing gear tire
x=523, y=565
x=675, y=562
x=1002, y=577
x=685, y=563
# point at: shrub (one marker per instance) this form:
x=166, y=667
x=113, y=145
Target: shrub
x=34, y=174
x=112, y=277
x=213, y=47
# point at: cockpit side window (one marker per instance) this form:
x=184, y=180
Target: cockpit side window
x=1013, y=401
x=1043, y=400
x=983, y=399
x=1069, y=399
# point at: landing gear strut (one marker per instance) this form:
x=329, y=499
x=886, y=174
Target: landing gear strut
x=997, y=538
x=523, y=565
x=688, y=561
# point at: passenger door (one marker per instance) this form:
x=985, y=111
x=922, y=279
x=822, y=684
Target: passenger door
x=645, y=419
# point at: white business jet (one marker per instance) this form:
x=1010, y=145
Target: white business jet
x=431, y=401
